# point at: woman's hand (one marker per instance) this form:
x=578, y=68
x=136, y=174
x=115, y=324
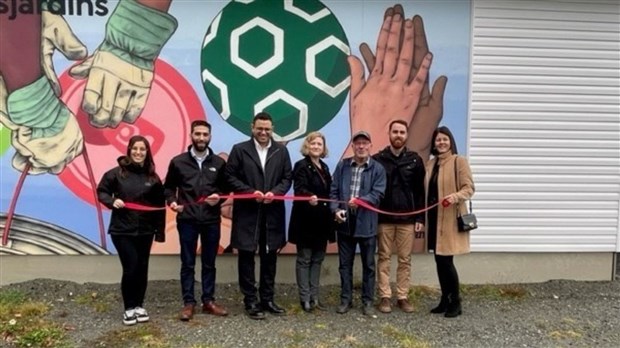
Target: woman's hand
x=314, y=200
x=118, y=204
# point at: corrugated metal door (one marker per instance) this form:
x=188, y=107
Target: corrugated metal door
x=545, y=125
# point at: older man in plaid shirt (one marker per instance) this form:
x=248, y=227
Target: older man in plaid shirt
x=357, y=177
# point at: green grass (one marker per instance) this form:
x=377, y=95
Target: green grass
x=144, y=336
x=404, y=340
x=495, y=292
x=23, y=323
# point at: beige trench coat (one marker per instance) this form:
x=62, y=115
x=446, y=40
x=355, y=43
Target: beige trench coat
x=449, y=240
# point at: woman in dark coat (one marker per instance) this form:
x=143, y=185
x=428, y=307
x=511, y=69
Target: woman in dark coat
x=134, y=180
x=311, y=224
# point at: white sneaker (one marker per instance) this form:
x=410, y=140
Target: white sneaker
x=142, y=316
x=129, y=317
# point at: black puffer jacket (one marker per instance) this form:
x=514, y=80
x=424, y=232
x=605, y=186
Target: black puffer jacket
x=405, y=185
x=133, y=187
x=186, y=183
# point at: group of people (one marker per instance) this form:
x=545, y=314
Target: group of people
x=335, y=208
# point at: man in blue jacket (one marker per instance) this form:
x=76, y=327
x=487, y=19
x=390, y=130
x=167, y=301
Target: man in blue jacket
x=358, y=177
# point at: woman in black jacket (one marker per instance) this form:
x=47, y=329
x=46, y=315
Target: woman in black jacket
x=134, y=180
x=311, y=225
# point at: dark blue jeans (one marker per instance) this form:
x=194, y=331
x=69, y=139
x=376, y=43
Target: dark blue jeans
x=346, y=256
x=210, y=242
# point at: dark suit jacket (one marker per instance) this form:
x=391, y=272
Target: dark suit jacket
x=246, y=175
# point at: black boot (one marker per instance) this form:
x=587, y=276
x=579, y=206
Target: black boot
x=442, y=306
x=453, y=309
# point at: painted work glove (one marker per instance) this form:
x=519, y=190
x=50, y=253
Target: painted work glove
x=45, y=134
x=120, y=73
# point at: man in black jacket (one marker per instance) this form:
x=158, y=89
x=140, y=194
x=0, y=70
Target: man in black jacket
x=263, y=167
x=192, y=175
x=404, y=193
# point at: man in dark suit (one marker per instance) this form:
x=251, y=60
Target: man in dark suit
x=263, y=167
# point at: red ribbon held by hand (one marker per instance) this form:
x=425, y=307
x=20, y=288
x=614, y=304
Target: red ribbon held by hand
x=361, y=203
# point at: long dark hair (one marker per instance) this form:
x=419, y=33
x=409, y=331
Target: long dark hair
x=446, y=131
x=149, y=164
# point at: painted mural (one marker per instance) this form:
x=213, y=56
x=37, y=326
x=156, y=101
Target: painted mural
x=79, y=78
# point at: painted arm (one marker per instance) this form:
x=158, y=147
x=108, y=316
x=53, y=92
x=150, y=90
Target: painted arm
x=44, y=133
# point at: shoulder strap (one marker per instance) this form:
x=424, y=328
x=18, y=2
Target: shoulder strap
x=456, y=182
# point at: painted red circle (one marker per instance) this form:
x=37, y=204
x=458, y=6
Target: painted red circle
x=165, y=121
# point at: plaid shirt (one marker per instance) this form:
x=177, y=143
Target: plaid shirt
x=356, y=178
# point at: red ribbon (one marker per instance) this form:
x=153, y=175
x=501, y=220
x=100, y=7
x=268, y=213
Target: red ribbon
x=361, y=203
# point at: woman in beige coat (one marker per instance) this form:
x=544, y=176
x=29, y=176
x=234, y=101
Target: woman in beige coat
x=448, y=181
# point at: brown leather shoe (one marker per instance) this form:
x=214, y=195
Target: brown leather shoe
x=405, y=306
x=385, y=306
x=187, y=313
x=212, y=308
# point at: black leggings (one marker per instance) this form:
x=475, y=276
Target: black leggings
x=448, y=277
x=134, y=252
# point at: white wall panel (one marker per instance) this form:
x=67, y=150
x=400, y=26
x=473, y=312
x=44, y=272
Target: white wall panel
x=544, y=135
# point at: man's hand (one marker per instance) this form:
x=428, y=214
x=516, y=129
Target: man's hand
x=213, y=199
x=353, y=203
x=391, y=91
x=418, y=227
x=259, y=196
x=268, y=197
x=341, y=216
x=176, y=207
x=429, y=112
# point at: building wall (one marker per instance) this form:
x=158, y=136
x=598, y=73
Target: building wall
x=544, y=130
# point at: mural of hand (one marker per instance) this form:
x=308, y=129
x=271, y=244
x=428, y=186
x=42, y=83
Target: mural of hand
x=390, y=91
x=120, y=73
x=57, y=35
x=429, y=111
x=50, y=147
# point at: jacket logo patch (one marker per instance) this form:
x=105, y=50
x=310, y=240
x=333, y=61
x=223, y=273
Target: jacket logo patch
x=212, y=169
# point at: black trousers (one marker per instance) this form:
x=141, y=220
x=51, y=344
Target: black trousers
x=448, y=276
x=134, y=252
x=247, y=278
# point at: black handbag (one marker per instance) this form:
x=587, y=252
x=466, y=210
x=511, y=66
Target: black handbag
x=468, y=221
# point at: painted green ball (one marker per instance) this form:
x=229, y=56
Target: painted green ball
x=288, y=58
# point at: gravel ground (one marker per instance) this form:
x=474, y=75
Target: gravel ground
x=552, y=314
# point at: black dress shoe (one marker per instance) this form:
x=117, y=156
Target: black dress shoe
x=273, y=308
x=343, y=308
x=255, y=312
x=306, y=306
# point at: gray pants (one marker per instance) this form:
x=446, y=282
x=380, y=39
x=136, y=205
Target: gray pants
x=308, y=271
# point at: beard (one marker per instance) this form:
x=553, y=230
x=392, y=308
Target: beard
x=397, y=143
x=200, y=146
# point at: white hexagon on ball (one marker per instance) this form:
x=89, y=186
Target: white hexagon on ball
x=314, y=80
x=310, y=18
x=292, y=101
x=269, y=64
